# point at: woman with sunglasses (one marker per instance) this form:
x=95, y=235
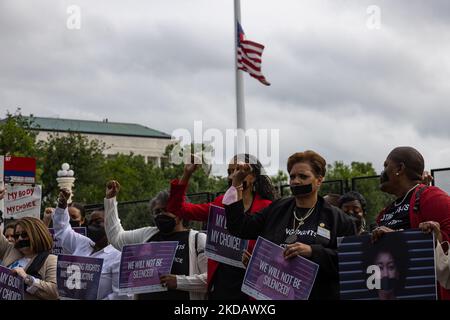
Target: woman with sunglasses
x=30, y=258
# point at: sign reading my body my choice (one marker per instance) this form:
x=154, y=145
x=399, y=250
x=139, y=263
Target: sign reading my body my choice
x=78, y=277
x=270, y=276
x=141, y=266
x=220, y=244
x=22, y=201
x=11, y=286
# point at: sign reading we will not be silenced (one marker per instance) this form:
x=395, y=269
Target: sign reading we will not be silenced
x=11, y=285
x=78, y=277
x=141, y=266
x=270, y=276
x=22, y=201
x=220, y=244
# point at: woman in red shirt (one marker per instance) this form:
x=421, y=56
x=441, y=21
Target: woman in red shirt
x=224, y=281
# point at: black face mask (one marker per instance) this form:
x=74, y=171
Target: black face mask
x=23, y=244
x=74, y=223
x=384, y=177
x=95, y=233
x=165, y=223
x=388, y=283
x=301, y=189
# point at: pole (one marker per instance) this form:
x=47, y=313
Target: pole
x=240, y=106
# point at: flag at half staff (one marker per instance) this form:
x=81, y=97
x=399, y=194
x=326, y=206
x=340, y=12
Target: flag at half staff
x=249, y=55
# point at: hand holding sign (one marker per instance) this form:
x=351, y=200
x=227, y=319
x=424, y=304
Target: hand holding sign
x=64, y=195
x=2, y=193
x=169, y=281
x=112, y=189
x=379, y=232
x=297, y=249
x=20, y=272
x=432, y=226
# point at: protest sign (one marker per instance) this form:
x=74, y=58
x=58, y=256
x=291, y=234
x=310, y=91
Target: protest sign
x=22, y=201
x=400, y=265
x=141, y=266
x=270, y=276
x=19, y=170
x=11, y=285
x=220, y=244
x=78, y=277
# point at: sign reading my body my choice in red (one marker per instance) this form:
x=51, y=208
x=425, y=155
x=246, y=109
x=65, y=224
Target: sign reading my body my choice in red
x=19, y=170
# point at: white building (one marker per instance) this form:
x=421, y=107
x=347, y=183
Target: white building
x=118, y=137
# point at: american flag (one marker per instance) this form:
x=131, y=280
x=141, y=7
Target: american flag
x=249, y=56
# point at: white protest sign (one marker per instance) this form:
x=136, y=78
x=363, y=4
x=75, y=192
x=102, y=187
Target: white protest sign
x=22, y=201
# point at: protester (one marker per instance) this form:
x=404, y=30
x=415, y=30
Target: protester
x=187, y=280
x=332, y=198
x=8, y=232
x=305, y=224
x=354, y=204
x=30, y=258
x=95, y=245
x=224, y=281
x=416, y=202
x=77, y=215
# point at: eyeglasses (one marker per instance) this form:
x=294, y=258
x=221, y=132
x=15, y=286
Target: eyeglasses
x=23, y=235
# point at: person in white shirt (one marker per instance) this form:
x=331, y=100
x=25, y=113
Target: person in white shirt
x=95, y=246
x=187, y=280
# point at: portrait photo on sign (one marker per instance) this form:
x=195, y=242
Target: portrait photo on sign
x=400, y=265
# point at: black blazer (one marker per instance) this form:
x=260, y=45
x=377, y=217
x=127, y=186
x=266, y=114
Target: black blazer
x=271, y=223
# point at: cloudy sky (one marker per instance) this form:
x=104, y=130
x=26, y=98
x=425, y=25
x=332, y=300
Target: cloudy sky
x=348, y=91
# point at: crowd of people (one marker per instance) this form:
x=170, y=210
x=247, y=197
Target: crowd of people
x=303, y=224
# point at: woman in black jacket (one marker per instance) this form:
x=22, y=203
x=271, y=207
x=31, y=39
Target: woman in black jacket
x=303, y=224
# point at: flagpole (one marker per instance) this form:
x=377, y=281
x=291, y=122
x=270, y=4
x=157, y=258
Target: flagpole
x=240, y=106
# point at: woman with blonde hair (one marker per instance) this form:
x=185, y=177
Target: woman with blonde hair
x=30, y=258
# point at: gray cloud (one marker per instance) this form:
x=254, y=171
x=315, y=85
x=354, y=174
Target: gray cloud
x=337, y=87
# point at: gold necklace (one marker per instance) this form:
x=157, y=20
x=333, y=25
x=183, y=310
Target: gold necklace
x=293, y=237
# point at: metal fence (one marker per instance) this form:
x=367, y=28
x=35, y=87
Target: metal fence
x=133, y=213
x=441, y=178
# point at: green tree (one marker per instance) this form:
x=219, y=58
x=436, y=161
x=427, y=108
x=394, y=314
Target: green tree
x=16, y=138
x=85, y=158
x=368, y=187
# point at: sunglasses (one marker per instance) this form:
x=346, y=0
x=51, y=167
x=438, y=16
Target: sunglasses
x=23, y=235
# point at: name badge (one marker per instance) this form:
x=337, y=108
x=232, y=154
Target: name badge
x=323, y=232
